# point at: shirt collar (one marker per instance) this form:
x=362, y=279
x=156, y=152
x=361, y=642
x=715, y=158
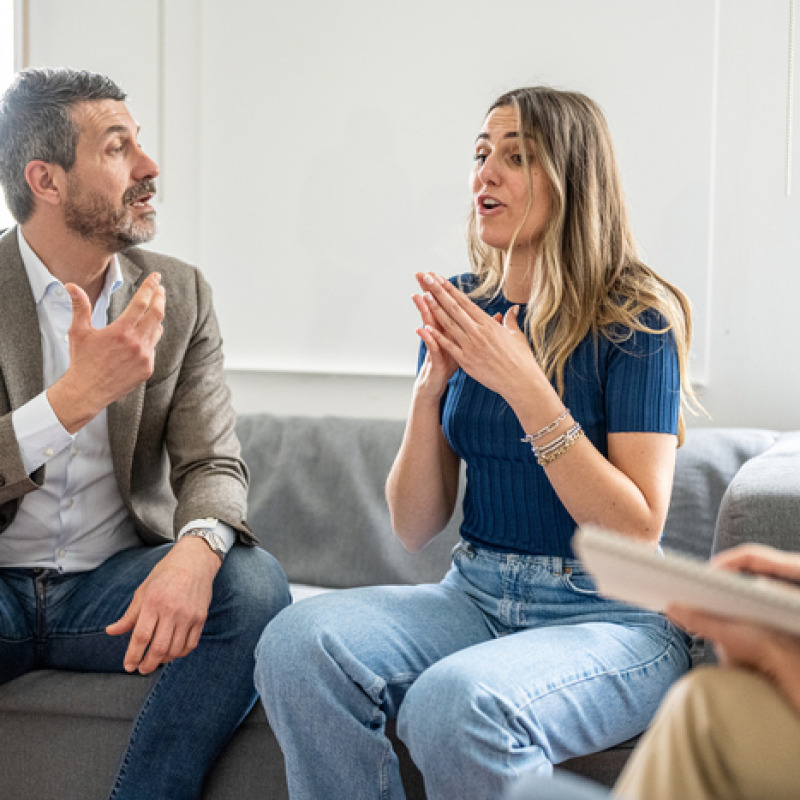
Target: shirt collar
x=40, y=278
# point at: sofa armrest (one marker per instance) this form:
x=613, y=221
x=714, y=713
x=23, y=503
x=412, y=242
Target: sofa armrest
x=762, y=502
x=705, y=465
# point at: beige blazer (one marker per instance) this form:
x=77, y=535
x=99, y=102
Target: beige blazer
x=173, y=444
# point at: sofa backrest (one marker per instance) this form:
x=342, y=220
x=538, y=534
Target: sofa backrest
x=316, y=501
x=317, y=497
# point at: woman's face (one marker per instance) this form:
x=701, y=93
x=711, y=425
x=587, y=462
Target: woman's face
x=500, y=186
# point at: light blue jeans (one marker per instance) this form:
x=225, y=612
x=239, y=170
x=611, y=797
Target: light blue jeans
x=561, y=786
x=511, y=664
x=50, y=620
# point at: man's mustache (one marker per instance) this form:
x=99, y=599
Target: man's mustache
x=141, y=189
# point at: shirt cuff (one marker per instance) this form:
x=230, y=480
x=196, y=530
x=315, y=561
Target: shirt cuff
x=39, y=433
x=222, y=529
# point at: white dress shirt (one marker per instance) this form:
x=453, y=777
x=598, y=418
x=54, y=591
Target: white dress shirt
x=77, y=519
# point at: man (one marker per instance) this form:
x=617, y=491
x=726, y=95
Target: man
x=123, y=541
x=729, y=731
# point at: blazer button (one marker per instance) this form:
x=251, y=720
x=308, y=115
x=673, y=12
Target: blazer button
x=2, y=480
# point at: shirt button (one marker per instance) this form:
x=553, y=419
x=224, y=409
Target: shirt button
x=73, y=451
x=48, y=451
x=70, y=502
x=62, y=553
x=66, y=337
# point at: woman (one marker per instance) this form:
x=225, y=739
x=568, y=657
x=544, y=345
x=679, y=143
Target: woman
x=512, y=663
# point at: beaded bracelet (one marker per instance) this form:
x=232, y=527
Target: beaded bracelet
x=530, y=438
x=560, y=445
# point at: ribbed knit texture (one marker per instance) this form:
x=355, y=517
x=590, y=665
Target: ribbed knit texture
x=609, y=388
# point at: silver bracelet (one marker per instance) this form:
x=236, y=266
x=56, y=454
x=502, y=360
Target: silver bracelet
x=530, y=438
x=560, y=445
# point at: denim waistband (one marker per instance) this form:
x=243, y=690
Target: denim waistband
x=555, y=564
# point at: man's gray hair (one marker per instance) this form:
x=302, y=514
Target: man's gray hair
x=36, y=124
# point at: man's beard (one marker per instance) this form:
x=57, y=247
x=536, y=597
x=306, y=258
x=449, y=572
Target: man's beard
x=98, y=220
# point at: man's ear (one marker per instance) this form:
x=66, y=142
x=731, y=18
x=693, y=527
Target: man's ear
x=46, y=181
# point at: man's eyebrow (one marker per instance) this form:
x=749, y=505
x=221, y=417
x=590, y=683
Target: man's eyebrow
x=112, y=130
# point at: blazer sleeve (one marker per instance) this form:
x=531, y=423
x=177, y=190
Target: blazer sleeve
x=207, y=474
x=15, y=482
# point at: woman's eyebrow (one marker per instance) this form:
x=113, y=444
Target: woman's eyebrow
x=510, y=135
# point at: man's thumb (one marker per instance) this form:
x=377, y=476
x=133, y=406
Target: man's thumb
x=81, y=307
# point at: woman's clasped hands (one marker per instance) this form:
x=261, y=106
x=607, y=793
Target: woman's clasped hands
x=457, y=333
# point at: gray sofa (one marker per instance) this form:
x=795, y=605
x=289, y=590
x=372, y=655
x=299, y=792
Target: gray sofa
x=316, y=503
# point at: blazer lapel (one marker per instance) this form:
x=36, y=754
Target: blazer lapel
x=124, y=414
x=21, y=362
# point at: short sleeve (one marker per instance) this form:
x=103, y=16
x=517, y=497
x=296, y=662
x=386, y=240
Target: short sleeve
x=643, y=387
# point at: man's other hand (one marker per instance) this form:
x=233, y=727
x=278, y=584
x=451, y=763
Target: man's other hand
x=168, y=611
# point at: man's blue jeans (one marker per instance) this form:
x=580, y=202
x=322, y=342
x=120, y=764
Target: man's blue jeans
x=511, y=664
x=50, y=620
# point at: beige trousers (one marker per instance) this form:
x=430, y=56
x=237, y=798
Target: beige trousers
x=721, y=734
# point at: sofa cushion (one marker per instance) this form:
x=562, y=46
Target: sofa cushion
x=705, y=465
x=762, y=503
x=317, y=501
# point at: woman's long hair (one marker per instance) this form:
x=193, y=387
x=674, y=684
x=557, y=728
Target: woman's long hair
x=587, y=276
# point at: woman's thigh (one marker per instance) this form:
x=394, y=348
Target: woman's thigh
x=562, y=690
x=383, y=637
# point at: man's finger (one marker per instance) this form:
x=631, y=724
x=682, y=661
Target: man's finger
x=140, y=640
x=161, y=649
x=81, y=306
x=141, y=301
x=126, y=622
x=150, y=322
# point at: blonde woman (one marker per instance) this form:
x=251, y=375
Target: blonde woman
x=555, y=371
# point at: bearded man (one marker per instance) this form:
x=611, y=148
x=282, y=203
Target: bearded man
x=123, y=540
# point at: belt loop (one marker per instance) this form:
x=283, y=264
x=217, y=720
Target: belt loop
x=466, y=548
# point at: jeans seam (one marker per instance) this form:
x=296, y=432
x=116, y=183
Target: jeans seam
x=121, y=772
x=661, y=656
x=397, y=680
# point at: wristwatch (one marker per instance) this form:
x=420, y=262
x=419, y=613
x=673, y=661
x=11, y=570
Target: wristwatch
x=210, y=536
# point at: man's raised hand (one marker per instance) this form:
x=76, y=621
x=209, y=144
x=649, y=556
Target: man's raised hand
x=108, y=363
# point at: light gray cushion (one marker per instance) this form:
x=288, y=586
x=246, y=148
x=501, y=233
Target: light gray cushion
x=317, y=501
x=762, y=503
x=705, y=465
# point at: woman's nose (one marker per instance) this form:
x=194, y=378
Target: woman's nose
x=487, y=171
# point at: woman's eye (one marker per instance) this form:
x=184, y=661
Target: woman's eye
x=516, y=158
x=480, y=158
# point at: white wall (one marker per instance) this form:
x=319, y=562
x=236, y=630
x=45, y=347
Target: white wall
x=314, y=154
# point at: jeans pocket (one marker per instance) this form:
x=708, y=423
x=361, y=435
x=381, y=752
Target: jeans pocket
x=581, y=583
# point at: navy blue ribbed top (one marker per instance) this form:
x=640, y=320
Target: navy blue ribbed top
x=509, y=503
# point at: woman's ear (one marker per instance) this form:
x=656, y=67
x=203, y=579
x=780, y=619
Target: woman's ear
x=45, y=181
